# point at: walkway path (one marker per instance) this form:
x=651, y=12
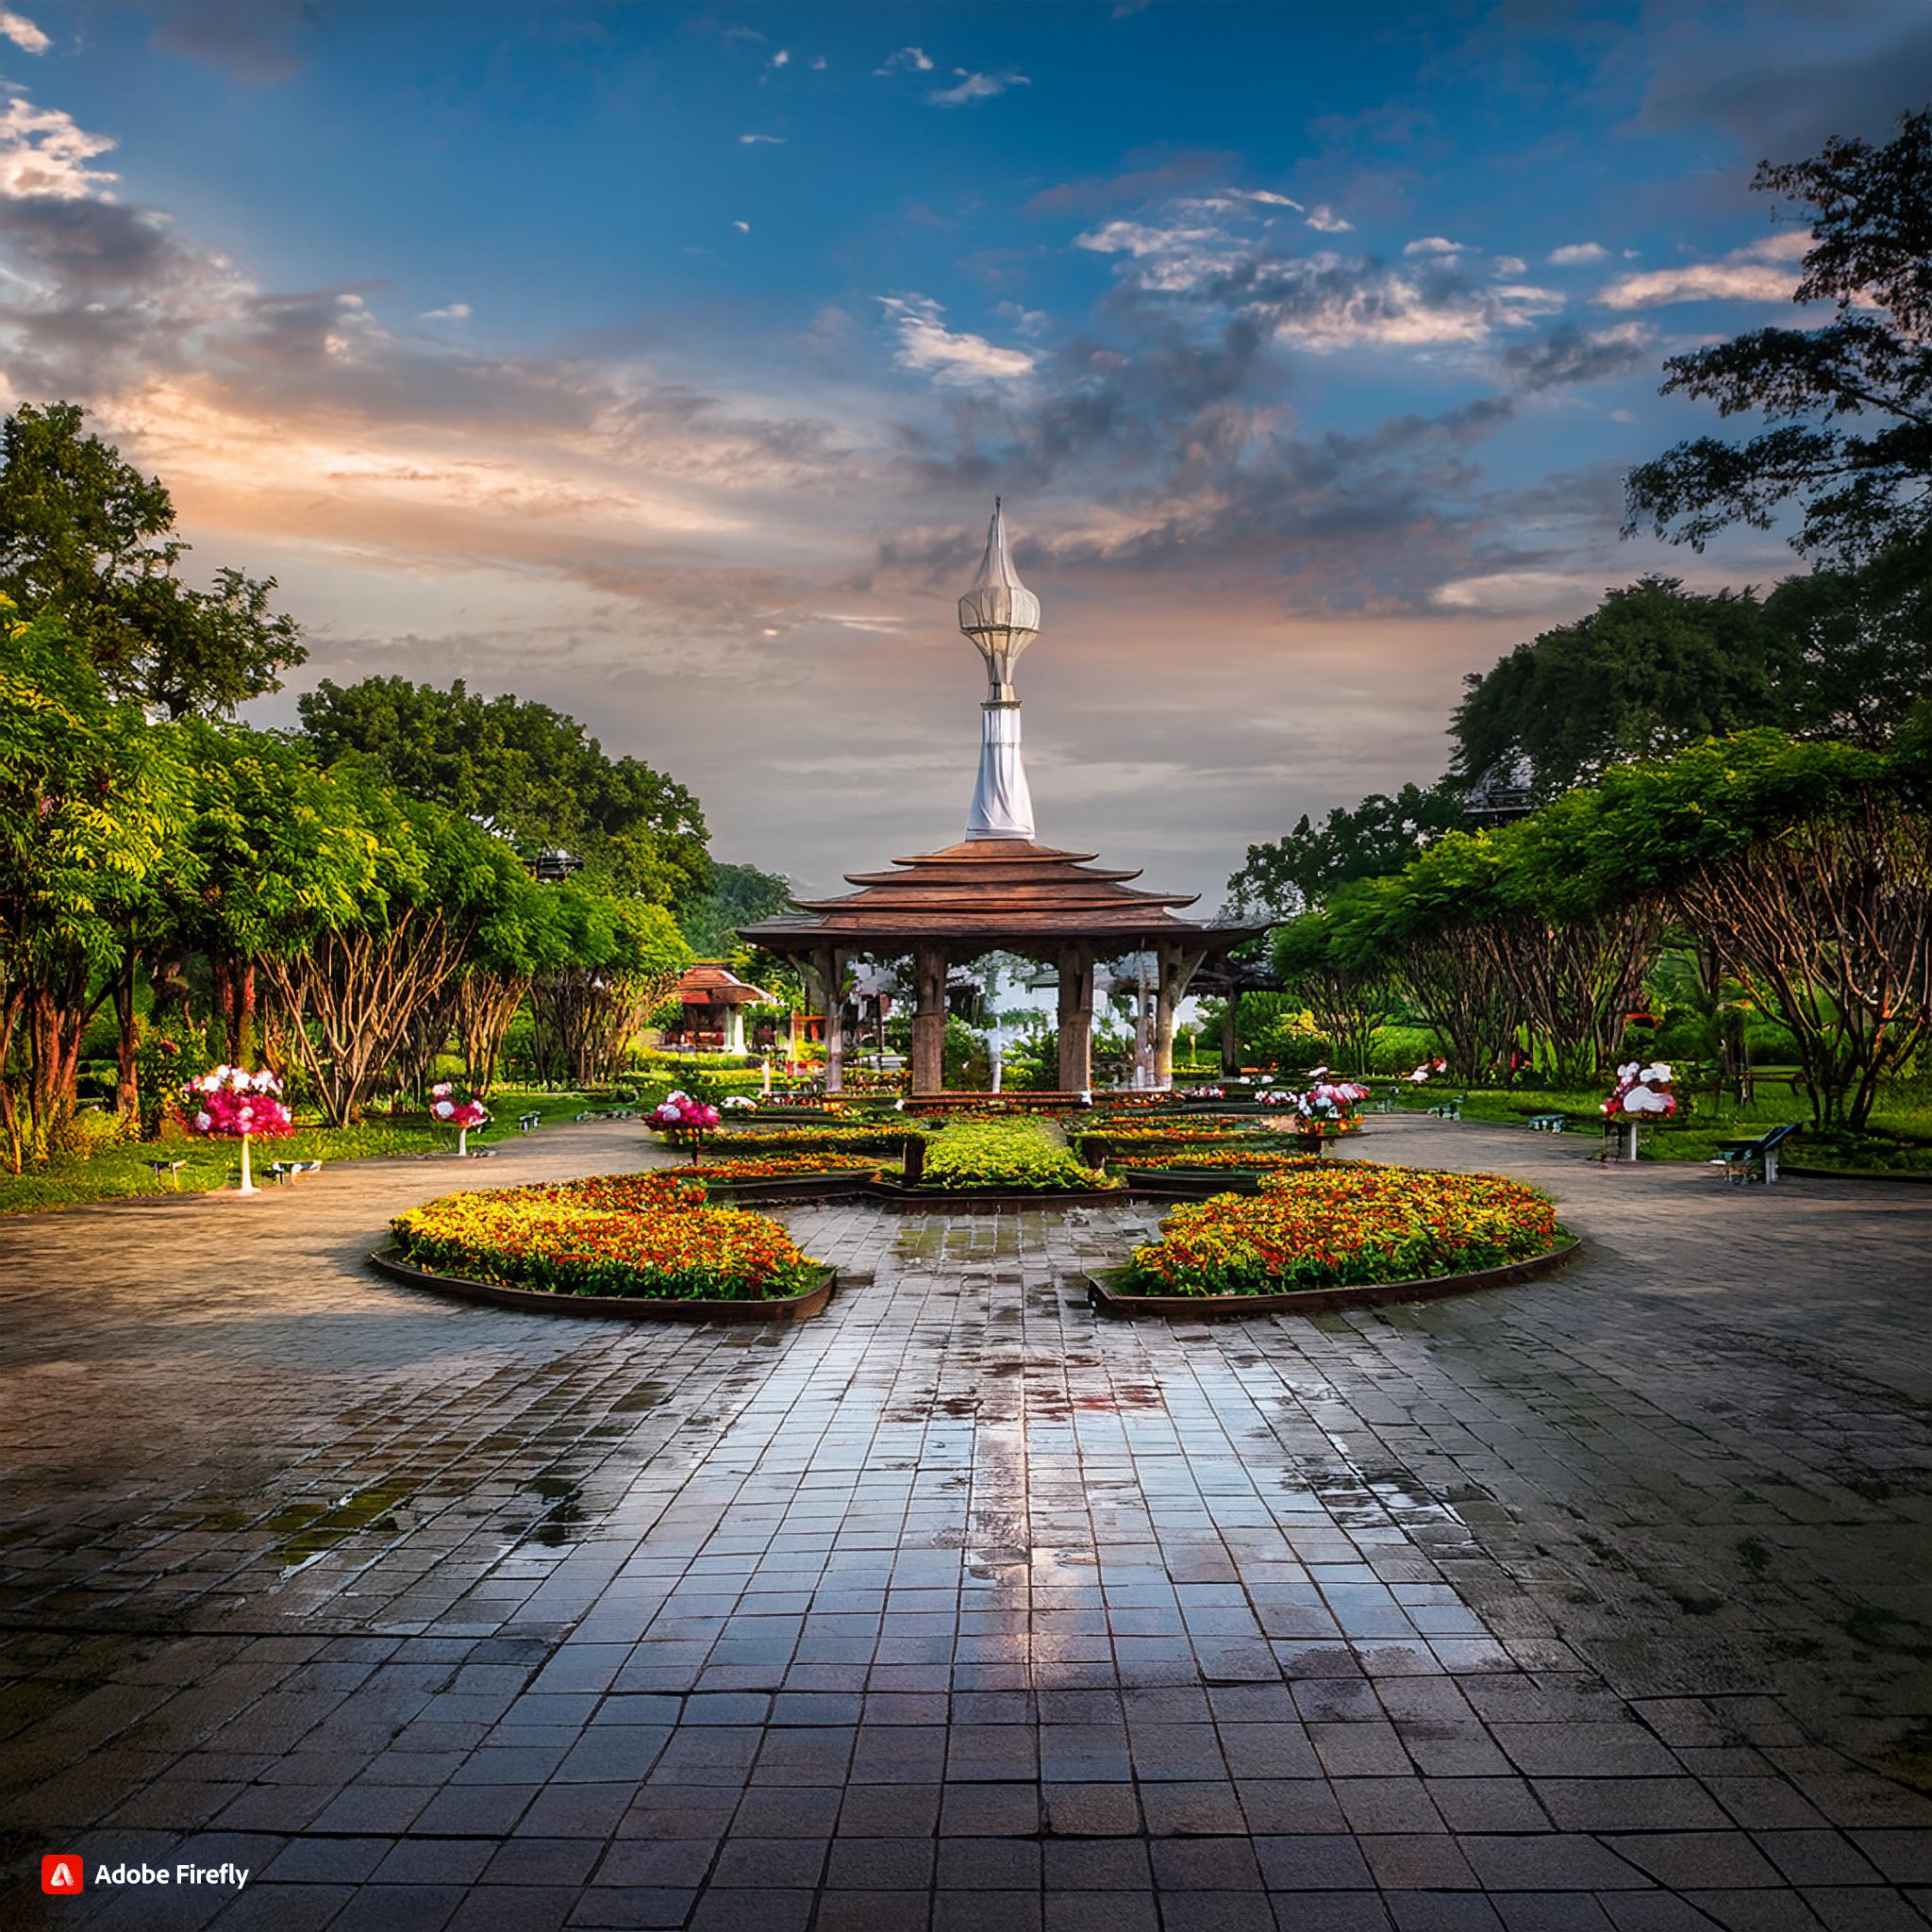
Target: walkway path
x=1600, y=1603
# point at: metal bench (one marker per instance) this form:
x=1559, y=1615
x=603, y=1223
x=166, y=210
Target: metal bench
x=1547, y=1123
x=1738, y=1157
x=527, y=1122
x=279, y=1171
x=1448, y=1109
x=170, y=1168
x=585, y=1115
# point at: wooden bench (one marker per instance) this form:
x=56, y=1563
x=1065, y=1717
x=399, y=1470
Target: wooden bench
x=170, y=1168
x=279, y=1171
x=1738, y=1157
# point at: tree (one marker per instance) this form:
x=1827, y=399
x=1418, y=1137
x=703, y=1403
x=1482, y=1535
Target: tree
x=1654, y=667
x=1807, y=868
x=1291, y=874
x=603, y=963
x=91, y=803
x=527, y=770
x=1350, y=994
x=1817, y=389
x=1862, y=637
x=88, y=540
x=737, y=895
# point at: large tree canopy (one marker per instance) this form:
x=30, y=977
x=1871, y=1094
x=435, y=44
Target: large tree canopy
x=529, y=770
x=739, y=895
x=1848, y=407
x=1381, y=835
x=1653, y=667
x=86, y=539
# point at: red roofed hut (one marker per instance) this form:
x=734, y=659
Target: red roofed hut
x=714, y=999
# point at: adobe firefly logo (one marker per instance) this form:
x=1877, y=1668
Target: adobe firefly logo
x=62, y=1873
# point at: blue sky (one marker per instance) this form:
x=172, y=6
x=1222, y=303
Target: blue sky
x=660, y=361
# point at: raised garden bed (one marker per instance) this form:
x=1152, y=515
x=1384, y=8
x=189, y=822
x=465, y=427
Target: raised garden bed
x=794, y=1307
x=1111, y=1293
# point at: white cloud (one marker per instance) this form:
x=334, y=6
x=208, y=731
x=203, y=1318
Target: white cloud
x=953, y=359
x=906, y=61
x=1324, y=221
x=456, y=311
x=975, y=87
x=761, y=140
x=1751, y=274
x=1517, y=593
x=1272, y=200
x=818, y=63
x=1572, y=254
x=743, y=228
x=1433, y=244
x=24, y=35
x=1507, y=265
x=42, y=153
x=782, y=58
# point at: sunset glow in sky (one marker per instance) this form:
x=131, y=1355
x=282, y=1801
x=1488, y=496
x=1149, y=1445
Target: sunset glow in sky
x=661, y=361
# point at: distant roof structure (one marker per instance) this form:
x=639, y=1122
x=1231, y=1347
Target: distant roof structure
x=709, y=984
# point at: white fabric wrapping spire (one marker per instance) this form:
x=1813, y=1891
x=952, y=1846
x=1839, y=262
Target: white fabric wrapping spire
x=1002, y=617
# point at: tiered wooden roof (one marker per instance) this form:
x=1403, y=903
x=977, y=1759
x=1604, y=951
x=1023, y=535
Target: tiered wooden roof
x=995, y=891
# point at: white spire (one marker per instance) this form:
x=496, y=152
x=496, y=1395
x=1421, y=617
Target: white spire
x=1002, y=617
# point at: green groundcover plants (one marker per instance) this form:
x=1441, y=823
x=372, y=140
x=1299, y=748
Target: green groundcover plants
x=1338, y=1226
x=1020, y=1153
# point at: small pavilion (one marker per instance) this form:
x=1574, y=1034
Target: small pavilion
x=714, y=999
x=1000, y=889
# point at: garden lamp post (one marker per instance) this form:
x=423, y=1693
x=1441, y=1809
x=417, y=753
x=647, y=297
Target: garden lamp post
x=1002, y=617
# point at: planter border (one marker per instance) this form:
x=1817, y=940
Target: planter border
x=1106, y=1300
x=797, y=1308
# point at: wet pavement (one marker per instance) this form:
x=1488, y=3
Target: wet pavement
x=1604, y=1602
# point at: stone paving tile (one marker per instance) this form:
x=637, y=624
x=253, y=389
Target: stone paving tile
x=1599, y=1602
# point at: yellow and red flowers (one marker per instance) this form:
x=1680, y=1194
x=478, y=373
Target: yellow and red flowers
x=623, y=1234
x=1334, y=1224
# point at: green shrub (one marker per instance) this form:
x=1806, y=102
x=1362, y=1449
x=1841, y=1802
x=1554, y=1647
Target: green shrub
x=1021, y=1153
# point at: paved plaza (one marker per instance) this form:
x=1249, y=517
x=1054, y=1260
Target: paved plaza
x=1604, y=1602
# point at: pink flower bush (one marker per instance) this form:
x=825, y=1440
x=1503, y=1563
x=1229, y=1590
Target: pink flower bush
x=1641, y=1090
x=232, y=1103
x=678, y=1109
x=448, y=1111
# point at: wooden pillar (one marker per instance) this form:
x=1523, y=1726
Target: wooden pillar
x=929, y=1019
x=1177, y=966
x=1230, y=1035
x=829, y=964
x=1076, y=1018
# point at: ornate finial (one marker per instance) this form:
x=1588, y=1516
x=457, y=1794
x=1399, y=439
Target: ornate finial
x=999, y=614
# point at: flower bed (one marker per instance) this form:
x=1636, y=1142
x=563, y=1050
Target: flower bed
x=752, y=1167
x=854, y=1140
x=615, y=1236
x=1333, y=1227
x=1222, y=1161
x=1179, y=1134
x=1019, y=1154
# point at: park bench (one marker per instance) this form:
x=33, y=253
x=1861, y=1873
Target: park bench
x=527, y=1122
x=1547, y=1123
x=1448, y=1109
x=584, y=1115
x=1738, y=1157
x=279, y=1171
x=170, y=1168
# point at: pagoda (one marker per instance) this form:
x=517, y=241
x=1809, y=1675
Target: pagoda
x=999, y=889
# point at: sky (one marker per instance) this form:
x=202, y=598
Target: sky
x=661, y=361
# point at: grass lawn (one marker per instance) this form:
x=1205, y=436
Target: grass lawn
x=1900, y=1138
x=112, y=1172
